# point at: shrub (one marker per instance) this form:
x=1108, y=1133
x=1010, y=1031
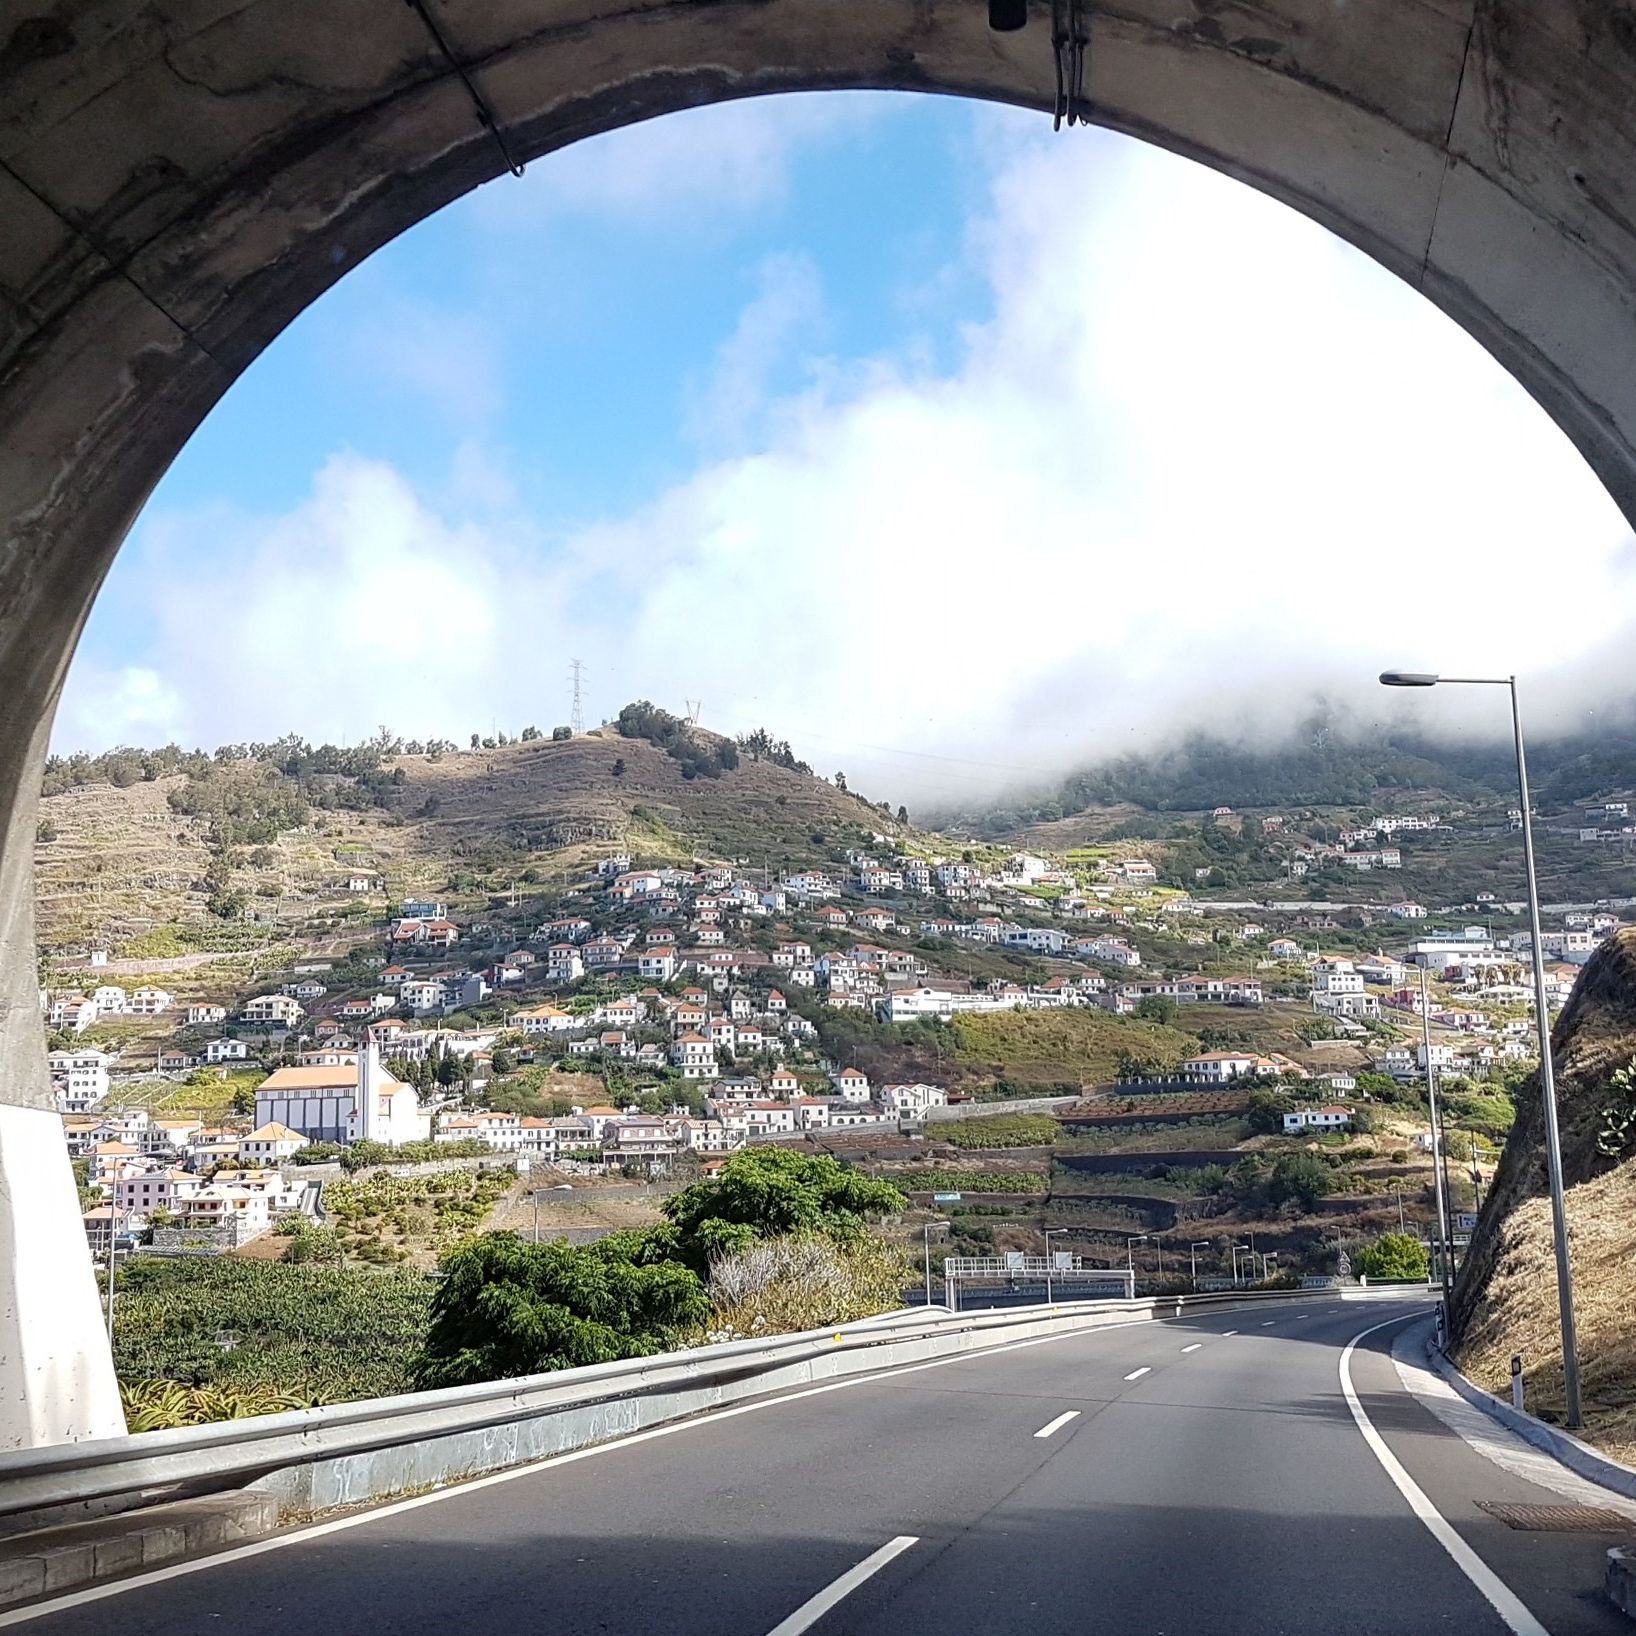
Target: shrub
x=506, y=1308
x=1395, y=1256
x=804, y=1282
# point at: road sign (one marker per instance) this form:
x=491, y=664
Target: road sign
x=1344, y=1267
x=945, y=1198
x=1465, y=1222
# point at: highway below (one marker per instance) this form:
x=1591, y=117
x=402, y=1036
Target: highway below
x=1226, y=1474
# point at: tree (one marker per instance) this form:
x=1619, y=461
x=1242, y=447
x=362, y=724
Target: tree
x=1300, y=1176
x=560, y=735
x=45, y=831
x=1398, y=1256
x=1156, y=1008
x=903, y=815
x=840, y=781
x=507, y=1308
x=476, y=739
x=770, y=1192
x=619, y=767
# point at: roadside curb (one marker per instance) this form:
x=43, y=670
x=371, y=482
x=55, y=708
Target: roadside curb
x=1562, y=1446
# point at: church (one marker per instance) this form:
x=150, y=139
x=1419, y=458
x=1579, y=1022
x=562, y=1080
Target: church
x=345, y=1103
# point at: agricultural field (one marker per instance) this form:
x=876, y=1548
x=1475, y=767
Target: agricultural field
x=321, y=1333
x=410, y=1218
x=1081, y=1047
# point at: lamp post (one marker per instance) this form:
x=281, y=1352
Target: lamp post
x=1050, y=1233
x=1193, y=1258
x=562, y=1187
x=1130, y=1259
x=1547, y=1074
x=1236, y=1249
x=929, y=1226
x=1445, y=1247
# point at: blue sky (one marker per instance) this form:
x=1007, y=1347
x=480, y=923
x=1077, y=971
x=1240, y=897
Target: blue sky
x=953, y=450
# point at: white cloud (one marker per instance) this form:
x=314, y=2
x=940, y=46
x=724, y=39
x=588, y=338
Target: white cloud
x=1203, y=464
x=786, y=312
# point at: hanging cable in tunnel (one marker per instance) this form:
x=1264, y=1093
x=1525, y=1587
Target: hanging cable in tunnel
x=1070, y=40
x=485, y=114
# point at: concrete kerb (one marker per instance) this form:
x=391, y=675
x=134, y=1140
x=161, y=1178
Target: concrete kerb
x=1562, y=1446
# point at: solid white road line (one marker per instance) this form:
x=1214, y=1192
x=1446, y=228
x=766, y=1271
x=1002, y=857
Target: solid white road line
x=1226, y=1332
x=1136, y=1374
x=1500, y=1596
x=1193, y=1348
x=812, y=1610
x=1057, y=1424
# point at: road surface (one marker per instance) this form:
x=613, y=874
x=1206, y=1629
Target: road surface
x=1203, y=1475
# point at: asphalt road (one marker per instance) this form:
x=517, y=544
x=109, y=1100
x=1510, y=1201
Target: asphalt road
x=1201, y=1475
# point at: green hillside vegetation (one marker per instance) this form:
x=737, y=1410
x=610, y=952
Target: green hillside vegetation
x=168, y=853
x=1325, y=765
x=1050, y=1047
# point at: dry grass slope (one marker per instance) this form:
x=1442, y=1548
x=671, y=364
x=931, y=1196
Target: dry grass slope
x=1506, y=1299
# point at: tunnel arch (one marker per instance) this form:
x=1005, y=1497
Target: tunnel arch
x=181, y=178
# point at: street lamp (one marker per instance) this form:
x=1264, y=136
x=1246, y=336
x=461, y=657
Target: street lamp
x=1445, y=1245
x=1050, y=1233
x=1236, y=1249
x=1547, y=1073
x=538, y=1194
x=929, y=1226
x=1193, y=1257
x=1130, y=1259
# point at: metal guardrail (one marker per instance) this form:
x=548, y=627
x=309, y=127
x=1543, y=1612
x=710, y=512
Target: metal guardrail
x=152, y=1466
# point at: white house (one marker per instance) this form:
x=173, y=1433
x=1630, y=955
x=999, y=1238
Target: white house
x=226, y=1050
x=1331, y=1118
x=150, y=1002
x=277, y=1010
x=851, y=1085
x=271, y=1144
x=1220, y=1067
x=205, y=1014
x=79, y=1079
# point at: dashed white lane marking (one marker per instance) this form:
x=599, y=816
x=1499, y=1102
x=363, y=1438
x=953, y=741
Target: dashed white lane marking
x=1269, y=1323
x=1057, y=1424
x=1193, y=1348
x=814, y=1608
x=1226, y=1332
x=1136, y=1374
x=1499, y=1595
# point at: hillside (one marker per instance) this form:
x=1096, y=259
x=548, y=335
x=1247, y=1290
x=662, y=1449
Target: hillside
x=1289, y=807
x=121, y=866
x=1506, y=1298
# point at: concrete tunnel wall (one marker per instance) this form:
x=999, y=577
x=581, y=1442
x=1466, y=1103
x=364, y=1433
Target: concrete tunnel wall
x=180, y=178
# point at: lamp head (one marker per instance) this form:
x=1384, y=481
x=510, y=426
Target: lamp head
x=1408, y=678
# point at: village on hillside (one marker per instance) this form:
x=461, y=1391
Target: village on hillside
x=670, y=1015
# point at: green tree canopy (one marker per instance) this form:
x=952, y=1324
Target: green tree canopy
x=1396, y=1256
x=508, y=1308
x=766, y=1192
